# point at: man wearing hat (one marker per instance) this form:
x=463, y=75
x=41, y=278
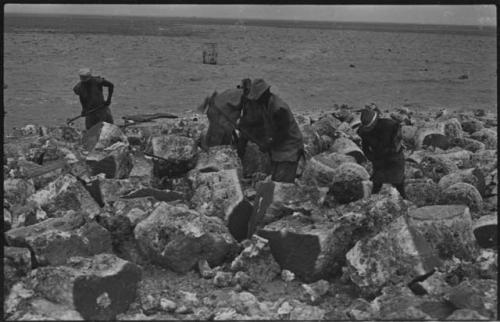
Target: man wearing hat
x=272, y=122
x=382, y=145
x=94, y=107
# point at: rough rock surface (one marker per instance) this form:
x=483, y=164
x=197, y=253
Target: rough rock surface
x=327, y=125
x=349, y=183
x=55, y=240
x=16, y=264
x=257, y=261
x=17, y=191
x=469, y=144
x=177, y=238
x=178, y=155
x=102, y=135
x=486, y=136
x=453, y=128
x=114, y=161
x=98, y=288
x=65, y=193
x=319, y=169
x=471, y=176
x=219, y=194
x=436, y=167
x=422, y=192
x=478, y=295
x=389, y=257
x=448, y=229
x=346, y=146
x=275, y=200
x=463, y=194
x=218, y=158
x=472, y=125
x=486, y=160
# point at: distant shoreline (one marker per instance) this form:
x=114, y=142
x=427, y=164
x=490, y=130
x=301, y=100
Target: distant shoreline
x=148, y=25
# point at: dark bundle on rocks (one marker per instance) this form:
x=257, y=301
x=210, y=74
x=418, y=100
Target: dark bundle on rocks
x=177, y=237
x=255, y=161
x=176, y=155
x=486, y=231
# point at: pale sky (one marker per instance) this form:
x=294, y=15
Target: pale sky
x=425, y=14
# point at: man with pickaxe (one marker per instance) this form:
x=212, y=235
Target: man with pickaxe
x=90, y=91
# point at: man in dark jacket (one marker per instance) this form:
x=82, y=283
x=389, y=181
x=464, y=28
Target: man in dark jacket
x=382, y=145
x=90, y=91
x=271, y=122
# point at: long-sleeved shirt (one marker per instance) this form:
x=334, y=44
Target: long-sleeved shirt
x=91, y=92
x=276, y=126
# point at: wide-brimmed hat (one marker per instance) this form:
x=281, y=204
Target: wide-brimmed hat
x=258, y=87
x=369, y=118
x=85, y=73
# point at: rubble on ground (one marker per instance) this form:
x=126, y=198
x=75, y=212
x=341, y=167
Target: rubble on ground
x=143, y=222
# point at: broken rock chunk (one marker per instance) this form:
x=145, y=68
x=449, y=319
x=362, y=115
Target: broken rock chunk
x=462, y=194
x=326, y=125
x=486, y=231
x=471, y=176
x=219, y=194
x=469, y=144
x=17, y=263
x=55, y=240
x=309, y=251
x=17, y=191
x=319, y=169
x=275, y=200
x=218, y=158
x=103, y=135
x=177, y=238
x=176, y=155
x=345, y=146
x=486, y=160
x=256, y=261
x=466, y=315
x=99, y=287
x=486, y=136
x=114, y=161
x=472, y=125
x=436, y=167
x=478, y=295
x=65, y=193
x=350, y=183
x=422, y=192
x=448, y=229
x=391, y=256
x=453, y=128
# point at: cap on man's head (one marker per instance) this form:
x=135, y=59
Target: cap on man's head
x=85, y=73
x=258, y=87
x=368, y=119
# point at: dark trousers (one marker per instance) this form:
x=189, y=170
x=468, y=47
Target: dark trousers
x=101, y=115
x=284, y=171
x=377, y=185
